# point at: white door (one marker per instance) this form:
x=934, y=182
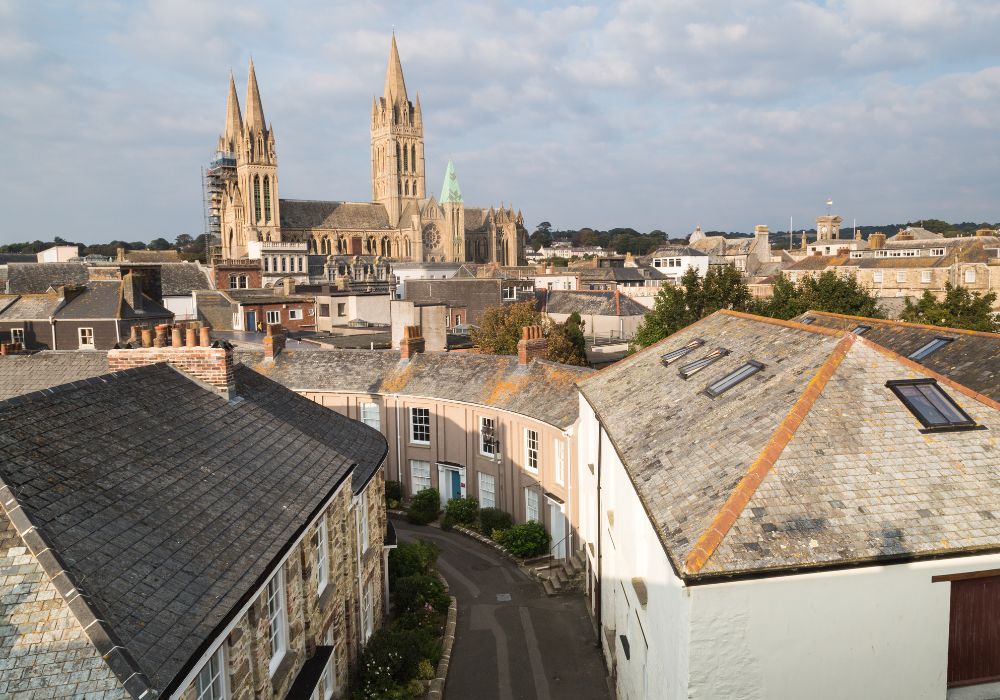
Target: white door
x=557, y=522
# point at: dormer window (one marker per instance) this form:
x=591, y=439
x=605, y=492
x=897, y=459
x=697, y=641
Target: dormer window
x=727, y=382
x=929, y=348
x=935, y=410
x=680, y=352
x=695, y=366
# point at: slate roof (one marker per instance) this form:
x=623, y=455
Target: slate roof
x=180, y=279
x=7, y=258
x=23, y=374
x=160, y=505
x=152, y=256
x=366, y=216
x=103, y=299
x=818, y=262
x=676, y=250
x=811, y=462
x=598, y=303
x=972, y=358
x=475, y=218
x=542, y=390
x=36, y=278
x=28, y=307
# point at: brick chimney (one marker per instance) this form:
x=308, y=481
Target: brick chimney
x=412, y=342
x=985, y=232
x=132, y=290
x=876, y=241
x=274, y=341
x=532, y=345
x=211, y=366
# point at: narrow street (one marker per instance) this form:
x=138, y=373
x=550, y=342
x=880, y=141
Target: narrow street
x=512, y=642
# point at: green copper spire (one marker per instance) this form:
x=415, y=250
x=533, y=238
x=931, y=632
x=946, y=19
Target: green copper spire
x=450, y=191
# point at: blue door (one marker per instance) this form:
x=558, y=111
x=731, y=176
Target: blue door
x=456, y=484
x=251, y=321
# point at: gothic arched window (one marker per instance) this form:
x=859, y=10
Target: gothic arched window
x=267, y=199
x=256, y=198
x=413, y=157
x=398, y=156
x=406, y=188
x=406, y=159
x=399, y=187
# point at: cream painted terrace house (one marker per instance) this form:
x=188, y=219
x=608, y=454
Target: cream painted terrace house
x=150, y=547
x=801, y=510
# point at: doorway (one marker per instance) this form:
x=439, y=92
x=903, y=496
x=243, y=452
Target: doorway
x=451, y=482
x=251, y=324
x=557, y=525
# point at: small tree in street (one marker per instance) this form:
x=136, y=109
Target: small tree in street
x=839, y=294
x=500, y=327
x=567, y=343
x=960, y=308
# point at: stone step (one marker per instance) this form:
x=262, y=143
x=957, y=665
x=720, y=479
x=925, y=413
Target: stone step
x=549, y=590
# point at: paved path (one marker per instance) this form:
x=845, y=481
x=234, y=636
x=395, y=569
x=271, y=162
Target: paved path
x=511, y=640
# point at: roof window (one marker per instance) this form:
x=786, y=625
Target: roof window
x=861, y=329
x=931, y=405
x=726, y=383
x=680, y=352
x=807, y=320
x=929, y=348
x=695, y=366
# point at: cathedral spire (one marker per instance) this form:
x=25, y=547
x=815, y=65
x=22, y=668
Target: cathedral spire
x=255, y=110
x=234, y=120
x=395, y=86
x=450, y=191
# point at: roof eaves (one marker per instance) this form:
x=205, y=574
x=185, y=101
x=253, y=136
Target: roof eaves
x=768, y=457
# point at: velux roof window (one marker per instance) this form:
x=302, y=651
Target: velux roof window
x=808, y=320
x=695, y=366
x=861, y=329
x=726, y=383
x=680, y=352
x=929, y=348
x=931, y=405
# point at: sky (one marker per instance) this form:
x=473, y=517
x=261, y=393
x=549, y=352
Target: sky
x=650, y=114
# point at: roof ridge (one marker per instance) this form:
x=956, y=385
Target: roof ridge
x=768, y=457
x=909, y=324
x=782, y=322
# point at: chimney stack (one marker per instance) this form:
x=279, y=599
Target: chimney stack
x=532, y=345
x=274, y=341
x=289, y=286
x=985, y=232
x=132, y=290
x=763, y=236
x=412, y=342
x=876, y=241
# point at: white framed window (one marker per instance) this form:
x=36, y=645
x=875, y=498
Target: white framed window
x=274, y=317
x=86, y=338
x=341, y=310
x=363, y=536
x=295, y=314
x=370, y=415
x=900, y=276
x=508, y=293
x=367, y=613
x=877, y=277
x=420, y=475
x=560, y=452
x=487, y=436
x=925, y=276
x=17, y=335
x=970, y=276
x=330, y=685
x=277, y=620
x=487, y=491
x=531, y=505
x=420, y=426
x=531, y=450
x=212, y=678
x=322, y=555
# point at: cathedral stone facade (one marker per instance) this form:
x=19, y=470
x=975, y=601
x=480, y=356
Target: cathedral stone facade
x=400, y=223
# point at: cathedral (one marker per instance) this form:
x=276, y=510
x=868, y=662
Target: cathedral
x=401, y=222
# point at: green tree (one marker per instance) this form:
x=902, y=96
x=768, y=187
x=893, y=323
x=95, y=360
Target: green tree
x=567, y=343
x=160, y=244
x=960, y=308
x=500, y=327
x=840, y=294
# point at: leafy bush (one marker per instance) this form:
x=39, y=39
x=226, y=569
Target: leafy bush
x=425, y=671
x=410, y=559
x=424, y=507
x=448, y=522
x=463, y=511
x=389, y=665
x=491, y=519
x=418, y=592
x=393, y=494
x=526, y=540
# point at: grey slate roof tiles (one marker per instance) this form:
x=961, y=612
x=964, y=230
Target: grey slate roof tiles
x=36, y=278
x=599, y=303
x=306, y=214
x=171, y=504
x=24, y=374
x=181, y=278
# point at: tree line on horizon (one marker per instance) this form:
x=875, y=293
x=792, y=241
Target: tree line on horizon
x=188, y=247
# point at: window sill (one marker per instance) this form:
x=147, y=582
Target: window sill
x=274, y=666
x=419, y=444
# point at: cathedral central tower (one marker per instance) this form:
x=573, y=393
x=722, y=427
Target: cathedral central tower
x=397, y=131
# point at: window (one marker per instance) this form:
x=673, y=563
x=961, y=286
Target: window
x=363, y=535
x=692, y=368
x=370, y=415
x=970, y=276
x=937, y=251
x=295, y=314
x=233, y=282
x=330, y=670
x=267, y=264
x=531, y=450
x=560, y=451
x=267, y=199
x=367, y=614
x=487, y=436
x=723, y=385
x=925, y=276
x=808, y=321
x=86, y=338
x=17, y=335
x=341, y=310
x=322, y=555
x=900, y=277
x=420, y=426
x=256, y=198
x=458, y=319
x=877, y=277
x=487, y=491
x=531, y=505
x=420, y=475
x=508, y=293
x=929, y=348
x=284, y=263
x=861, y=329
x=681, y=351
x=324, y=310
x=274, y=317
x=930, y=404
x=973, y=630
x=211, y=683
x=276, y=619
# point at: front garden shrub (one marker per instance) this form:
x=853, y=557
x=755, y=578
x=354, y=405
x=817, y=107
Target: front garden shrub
x=526, y=540
x=424, y=507
x=418, y=592
x=411, y=558
x=393, y=494
x=463, y=511
x=491, y=519
x=387, y=665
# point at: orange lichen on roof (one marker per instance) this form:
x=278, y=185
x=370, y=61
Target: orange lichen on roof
x=768, y=457
x=397, y=381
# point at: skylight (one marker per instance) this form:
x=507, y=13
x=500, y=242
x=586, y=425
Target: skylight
x=861, y=329
x=726, y=383
x=695, y=366
x=931, y=405
x=681, y=351
x=930, y=348
x=808, y=320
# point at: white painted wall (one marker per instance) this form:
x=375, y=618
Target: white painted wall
x=698, y=262
x=181, y=306
x=556, y=281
